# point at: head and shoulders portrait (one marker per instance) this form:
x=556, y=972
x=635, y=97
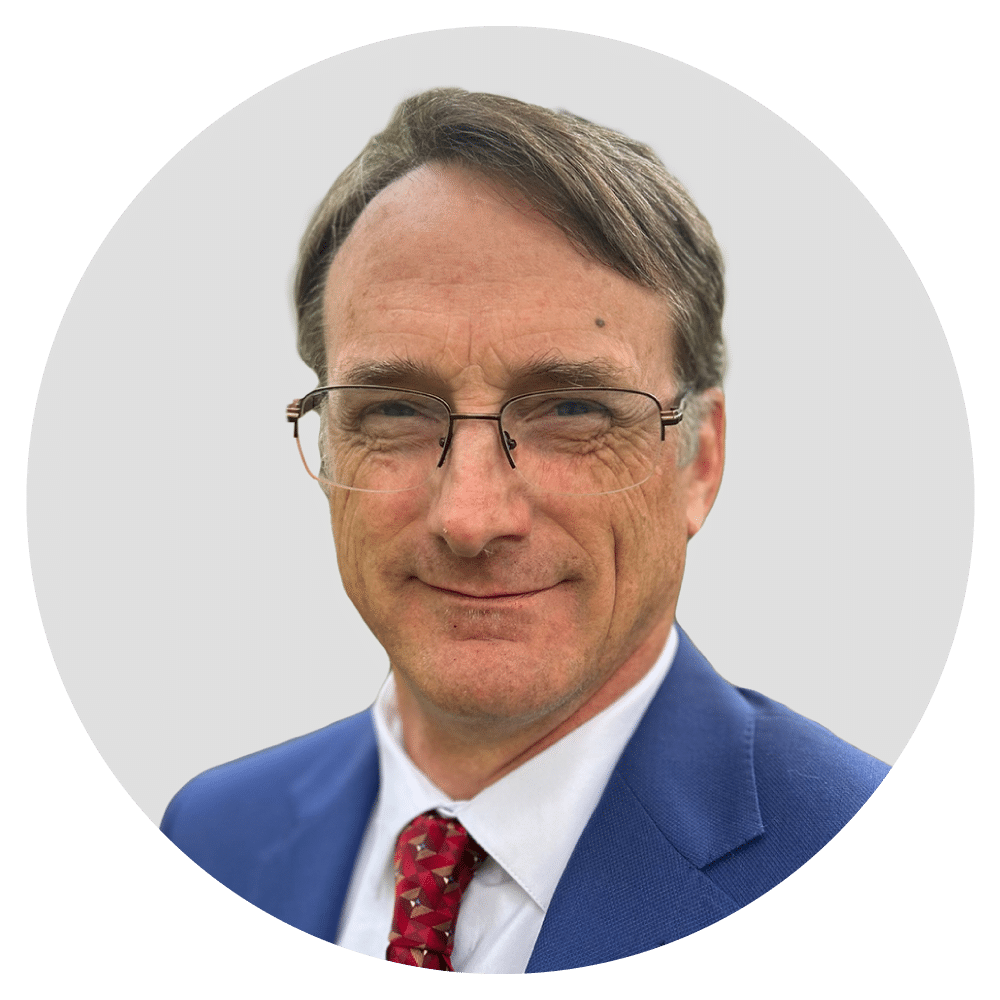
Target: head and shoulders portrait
x=519, y=415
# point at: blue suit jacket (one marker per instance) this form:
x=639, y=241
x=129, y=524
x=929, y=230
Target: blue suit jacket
x=719, y=795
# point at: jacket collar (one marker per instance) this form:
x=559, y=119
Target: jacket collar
x=682, y=795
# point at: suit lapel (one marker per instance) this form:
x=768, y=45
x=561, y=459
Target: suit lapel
x=304, y=875
x=681, y=796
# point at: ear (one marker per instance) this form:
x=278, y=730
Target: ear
x=703, y=474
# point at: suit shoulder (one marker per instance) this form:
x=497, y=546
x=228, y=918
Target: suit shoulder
x=251, y=822
x=809, y=784
x=796, y=757
x=263, y=783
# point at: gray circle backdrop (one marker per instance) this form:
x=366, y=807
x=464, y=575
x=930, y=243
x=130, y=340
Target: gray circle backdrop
x=182, y=558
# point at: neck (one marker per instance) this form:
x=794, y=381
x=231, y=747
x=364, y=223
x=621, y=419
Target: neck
x=464, y=756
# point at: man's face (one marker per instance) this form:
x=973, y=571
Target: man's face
x=494, y=601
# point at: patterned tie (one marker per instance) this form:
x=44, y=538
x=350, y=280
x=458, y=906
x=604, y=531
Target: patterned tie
x=435, y=861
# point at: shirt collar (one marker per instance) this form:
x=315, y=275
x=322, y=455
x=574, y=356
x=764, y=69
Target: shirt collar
x=529, y=820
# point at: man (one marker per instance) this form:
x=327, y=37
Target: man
x=515, y=319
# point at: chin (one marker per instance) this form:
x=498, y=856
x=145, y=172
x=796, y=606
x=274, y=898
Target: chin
x=487, y=680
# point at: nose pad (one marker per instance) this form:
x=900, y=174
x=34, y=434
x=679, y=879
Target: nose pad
x=507, y=443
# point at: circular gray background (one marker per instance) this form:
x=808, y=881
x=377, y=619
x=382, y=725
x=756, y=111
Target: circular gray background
x=182, y=559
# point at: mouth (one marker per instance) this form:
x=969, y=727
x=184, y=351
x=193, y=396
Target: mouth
x=492, y=595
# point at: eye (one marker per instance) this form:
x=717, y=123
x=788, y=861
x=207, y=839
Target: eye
x=395, y=408
x=576, y=408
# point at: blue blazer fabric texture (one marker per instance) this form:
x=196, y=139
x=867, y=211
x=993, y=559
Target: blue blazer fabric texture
x=720, y=794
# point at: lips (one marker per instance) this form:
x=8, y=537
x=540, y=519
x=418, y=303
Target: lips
x=491, y=595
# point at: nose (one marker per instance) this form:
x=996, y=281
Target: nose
x=477, y=498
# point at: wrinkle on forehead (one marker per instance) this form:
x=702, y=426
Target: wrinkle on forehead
x=548, y=370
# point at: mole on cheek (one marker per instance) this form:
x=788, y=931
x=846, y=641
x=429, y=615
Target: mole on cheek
x=599, y=321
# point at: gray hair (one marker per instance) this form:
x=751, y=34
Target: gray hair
x=610, y=195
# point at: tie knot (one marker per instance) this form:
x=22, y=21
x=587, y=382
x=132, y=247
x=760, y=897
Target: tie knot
x=435, y=860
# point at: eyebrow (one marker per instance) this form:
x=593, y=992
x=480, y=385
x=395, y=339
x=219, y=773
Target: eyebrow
x=554, y=371
x=389, y=372
x=560, y=372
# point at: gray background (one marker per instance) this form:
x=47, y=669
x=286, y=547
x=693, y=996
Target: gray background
x=182, y=559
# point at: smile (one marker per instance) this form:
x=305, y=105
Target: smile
x=492, y=596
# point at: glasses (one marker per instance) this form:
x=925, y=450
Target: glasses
x=570, y=441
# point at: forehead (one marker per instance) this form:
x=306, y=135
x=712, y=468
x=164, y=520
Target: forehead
x=455, y=274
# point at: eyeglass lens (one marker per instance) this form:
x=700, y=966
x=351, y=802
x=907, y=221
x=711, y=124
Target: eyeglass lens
x=576, y=441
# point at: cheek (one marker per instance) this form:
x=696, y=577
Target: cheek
x=364, y=528
x=650, y=537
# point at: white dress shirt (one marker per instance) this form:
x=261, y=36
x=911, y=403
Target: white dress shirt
x=528, y=822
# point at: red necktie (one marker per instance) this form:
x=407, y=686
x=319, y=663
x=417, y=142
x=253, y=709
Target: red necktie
x=435, y=861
